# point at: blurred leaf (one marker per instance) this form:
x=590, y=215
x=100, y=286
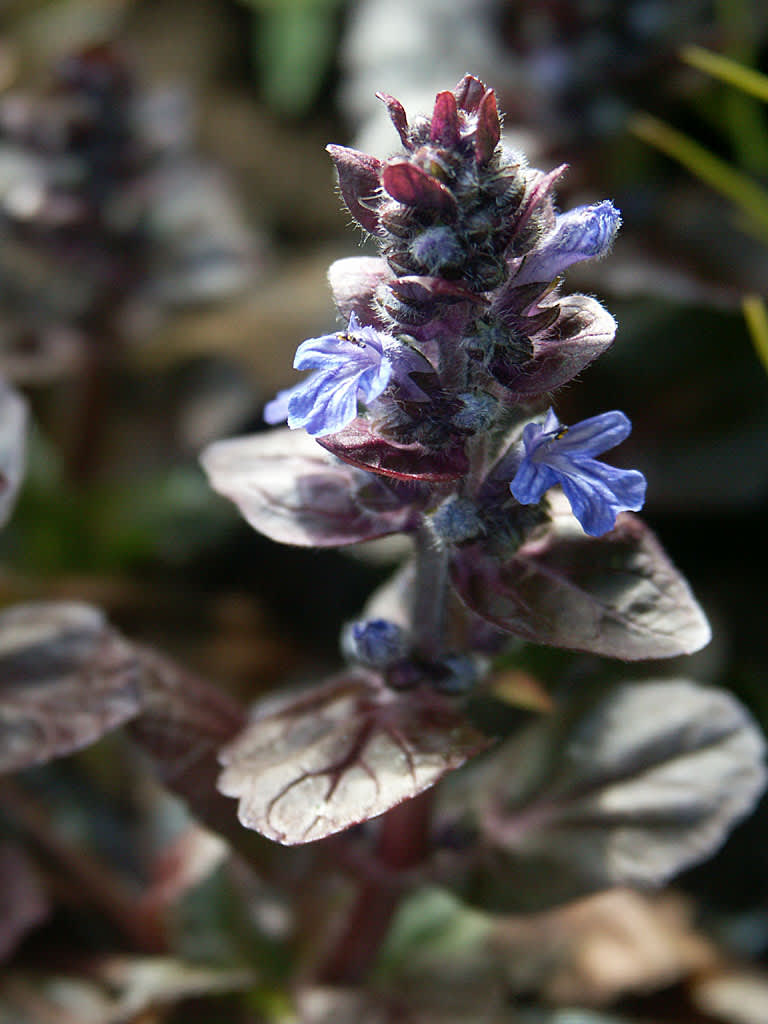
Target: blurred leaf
x=521, y=689
x=743, y=192
x=625, y=788
x=13, y=423
x=600, y=949
x=66, y=678
x=433, y=1006
x=116, y=990
x=113, y=525
x=290, y=489
x=146, y=982
x=732, y=72
x=734, y=996
x=435, y=926
x=309, y=766
x=344, y=1006
x=757, y=321
x=616, y=595
x=294, y=42
x=191, y=858
x=184, y=723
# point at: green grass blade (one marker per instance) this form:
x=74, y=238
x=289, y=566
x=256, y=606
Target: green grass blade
x=743, y=192
x=756, y=315
x=732, y=72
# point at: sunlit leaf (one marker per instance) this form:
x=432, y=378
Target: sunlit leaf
x=66, y=678
x=625, y=788
x=617, y=595
x=341, y=754
x=358, y=183
x=290, y=489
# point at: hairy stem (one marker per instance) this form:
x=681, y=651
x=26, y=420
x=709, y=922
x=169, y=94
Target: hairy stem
x=430, y=594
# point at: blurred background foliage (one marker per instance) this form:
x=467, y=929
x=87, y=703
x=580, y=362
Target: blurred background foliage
x=158, y=268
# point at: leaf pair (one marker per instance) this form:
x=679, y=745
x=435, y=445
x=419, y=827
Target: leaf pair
x=618, y=595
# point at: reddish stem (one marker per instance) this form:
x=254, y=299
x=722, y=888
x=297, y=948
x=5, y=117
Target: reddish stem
x=97, y=882
x=403, y=844
x=90, y=415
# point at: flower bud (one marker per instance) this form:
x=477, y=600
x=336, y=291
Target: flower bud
x=456, y=520
x=437, y=249
x=376, y=643
x=477, y=412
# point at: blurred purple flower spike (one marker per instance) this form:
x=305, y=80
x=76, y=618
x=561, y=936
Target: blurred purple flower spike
x=348, y=365
x=565, y=455
x=585, y=233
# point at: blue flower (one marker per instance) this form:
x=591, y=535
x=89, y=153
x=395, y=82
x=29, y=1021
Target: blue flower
x=565, y=455
x=349, y=365
x=581, y=234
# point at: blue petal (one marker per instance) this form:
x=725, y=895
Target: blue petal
x=595, y=435
x=362, y=346
x=581, y=234
x=533, y=437
x=551, y=422
x=305, y=397
x=326, y=403
x=598, y=492
x=340, y=409
x=373, y=381
x=276, y=411
x=593, y=506
x=531, y=481
x=318, y=352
